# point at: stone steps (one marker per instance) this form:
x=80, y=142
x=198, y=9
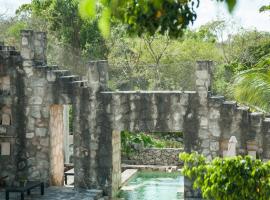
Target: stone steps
x=66, y=76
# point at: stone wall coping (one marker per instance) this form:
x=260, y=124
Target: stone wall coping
x=267, y=120
x=149, y=92
x=256, y=114
x=245, y=108
x=97, y=61
x=230, y=102
x=163, y=149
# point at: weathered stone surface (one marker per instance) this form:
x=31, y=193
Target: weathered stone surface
x=154, y=156
x=41, y=132
x=30, y=135
x=36, y=100
x=35, y=111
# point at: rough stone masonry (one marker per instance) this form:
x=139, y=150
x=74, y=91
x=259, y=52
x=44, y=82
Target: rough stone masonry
x=29, y=89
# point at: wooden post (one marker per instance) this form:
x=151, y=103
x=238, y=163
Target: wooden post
x=57, y=145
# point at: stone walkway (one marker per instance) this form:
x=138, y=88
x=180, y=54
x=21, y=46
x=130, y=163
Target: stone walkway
x=58, y=193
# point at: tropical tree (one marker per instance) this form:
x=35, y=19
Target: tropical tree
x=62, y=20
x=252, y=87
x=163, y=16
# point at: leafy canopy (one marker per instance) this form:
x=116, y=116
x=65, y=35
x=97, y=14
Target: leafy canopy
x=145, y=16
x=63, y=20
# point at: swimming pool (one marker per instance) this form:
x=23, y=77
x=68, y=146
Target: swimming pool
x=154, y=186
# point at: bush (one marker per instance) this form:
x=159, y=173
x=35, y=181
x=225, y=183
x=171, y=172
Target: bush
x=229, y=178
x=130, y=140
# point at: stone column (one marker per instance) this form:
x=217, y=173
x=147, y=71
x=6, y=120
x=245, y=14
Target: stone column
x=34, y=160
x=97, y=74
x=203, y=81
x=266, y=138
x=96, y=145
x=202, y=145
x=66, y=132
x=27, y=46
x=33, y=47
x=40, y=48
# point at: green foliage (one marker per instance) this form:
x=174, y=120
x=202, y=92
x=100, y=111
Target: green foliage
x=241, y=51
x=144, y=16
x=248, y=47
x=265, y=8
x=252, y=87
x=158, y=62
x=228, y=179
x=10, y=31
x=64, y=22
x=163, y=16
x=130, y=140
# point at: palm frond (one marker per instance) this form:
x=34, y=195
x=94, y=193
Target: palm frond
x=253, y=88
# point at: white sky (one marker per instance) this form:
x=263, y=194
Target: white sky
x=246, y=14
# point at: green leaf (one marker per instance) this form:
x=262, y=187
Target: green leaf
x=265, y=8
x=231, y=5
x=104, y=24
x=87, y=8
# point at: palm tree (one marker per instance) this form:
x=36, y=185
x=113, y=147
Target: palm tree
x=252, y=87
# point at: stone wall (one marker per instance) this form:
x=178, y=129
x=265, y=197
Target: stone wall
x=29, y=87
x=154, y=156
x=10, y=106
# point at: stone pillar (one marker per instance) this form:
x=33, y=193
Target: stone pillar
x=66, y=133
x=203, y=81
x=203, y=143
x=266, y=138
x=33, y=47
x=40, y=48
x=97, y=74
x=27, y=45
x=36, y=98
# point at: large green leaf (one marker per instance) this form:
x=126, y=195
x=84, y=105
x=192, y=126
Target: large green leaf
x=231, y=5
x=87, y=8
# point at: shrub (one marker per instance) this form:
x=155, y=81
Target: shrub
x=229, y=178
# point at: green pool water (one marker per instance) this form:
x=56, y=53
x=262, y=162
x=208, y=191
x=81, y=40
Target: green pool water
x=154, y=186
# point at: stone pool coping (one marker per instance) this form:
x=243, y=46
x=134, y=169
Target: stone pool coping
x=164, y=168
x=127, y=175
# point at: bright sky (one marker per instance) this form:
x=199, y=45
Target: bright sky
x=246, y=14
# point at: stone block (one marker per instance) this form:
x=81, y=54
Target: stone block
x=27, y=53
x=30, y=124
x=3, y=130
x=214, y=146
x=205, y=143
x=5, y=148
x=51, y=76
x=6, y=119
x=204, y=122
x=30, y=135
x=35, y=112
x=28, y=71
x=24, y=41
x=5, y=83
x=35, y=100
x=202, y=75
x=41, y=132
x=214, y=113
